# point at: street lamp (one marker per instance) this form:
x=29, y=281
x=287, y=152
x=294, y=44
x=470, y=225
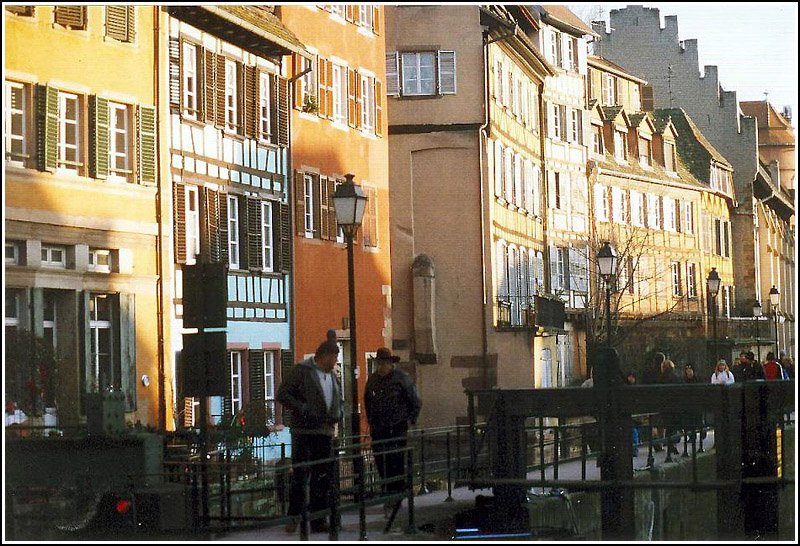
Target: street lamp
x=349, y=202
x=607, y=261
x=775, y=300
x=757, y=315
x=712, y=283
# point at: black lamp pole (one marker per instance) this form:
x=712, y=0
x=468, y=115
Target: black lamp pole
x=757, y=316
x=607, y=261
x=350, y=202
x=775, y=299
x=712, y=283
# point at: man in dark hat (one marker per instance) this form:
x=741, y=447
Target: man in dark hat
x=391, y=402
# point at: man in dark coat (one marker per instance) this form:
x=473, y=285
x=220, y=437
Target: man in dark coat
x=391, y=402
x=746, y=369
x=312, y=395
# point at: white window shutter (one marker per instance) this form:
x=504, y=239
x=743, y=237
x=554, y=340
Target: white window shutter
x=565, y=39
x=392, y=74
x=447, y=72
x=581, y=56
x=498, y=169
x=551, y=189
x=554, y=284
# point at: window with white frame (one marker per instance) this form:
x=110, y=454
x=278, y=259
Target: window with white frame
x=236, y=381
x=12, y=252
x=339, y=84
x=102, y=316
x=619, y=205
x=688, y=217
x=540, y=271
x=726, y=301
x=597, y=140
x=601, y=202
x=555, y=47
x=69, y=132
x=308, y=82
x=609, y=90
x=16, y=122
x=572, y=59
x=653, y=211
x=620, y=145
x=677, y=286
x=12, y=310
x=670, y=214
x=269, y=384
x=365, y=15
x=555, y=121
x=637, y=208
x=518, y=183
x=508, y=177
x=233, y=232
x=645, y=152
x=513, y=79
x=574, y=124
x=119, y=141
x=562, y=266
x=231, y=100
x=192, y=223
x=336, y=9
x=49, y=318
x=368, y=102
x=190, y=82
x=54, y=256
x=263, y=107
x=502, y=271
x=419, y=73
x=267, y=235
x=100, y=260
x=691, y=280
x=669, y=156
x=308, y=180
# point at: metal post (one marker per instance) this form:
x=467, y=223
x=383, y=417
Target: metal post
x=758, y=339
x=423, y=486
x=449, y=473
x=355, y=416
x=608, y=312
x=714, y=328
x=336, y=496
x=204, y=462
x=775, y=314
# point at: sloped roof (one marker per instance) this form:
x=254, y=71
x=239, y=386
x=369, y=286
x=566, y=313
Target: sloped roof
x=689, y=134
x=773, y=128
x=636, y=119
x=563, y=15
x=610, y=113
x=607, y=65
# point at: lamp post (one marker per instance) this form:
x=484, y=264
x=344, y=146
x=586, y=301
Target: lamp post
x=775, y=300
x=349, y=202
x=757, y=315
x=607, y=261
x=712, y=283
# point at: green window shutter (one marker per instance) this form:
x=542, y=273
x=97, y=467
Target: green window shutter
x=98, y=121
x=283, y=112
x=179, y=221
x=47, y=121
x=174, y=74
x=147, y=144
x=285, y=234
x=254, y=258
x=127, y=337
x=256, y=358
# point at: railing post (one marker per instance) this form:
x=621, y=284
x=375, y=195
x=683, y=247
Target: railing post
x=458, y=452
x=411, y=529
x=305, y=522
x=650, y=459
x=541, y=450
x=583, y=451
x=556, y=445
x=362, y=497
x=335, y=495
x=423, y=486
x=449, y=473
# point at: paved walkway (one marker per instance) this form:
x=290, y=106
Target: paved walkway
x=433, y=514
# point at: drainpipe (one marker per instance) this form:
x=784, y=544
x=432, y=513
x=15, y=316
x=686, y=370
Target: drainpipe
x=162, y=400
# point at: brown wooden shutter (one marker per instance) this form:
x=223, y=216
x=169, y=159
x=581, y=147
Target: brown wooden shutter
x=648, y=100
x=209, y=86
x=329, y=95
x=71, y=16
x=333, y=227
x=284, y=238
x=254, y=257
x=678, y=215
x=146, y=121
x=298, y=65
x=660, y=212
x=274, y=128
x=98, y=143
x=349, y=12
x=131, y=16
x=282, y=109
x=188, y=411
x=562, y=113
x=25, y=11
x=300, y=203
x=209, y=243
x=174, y=74
x=118, y=19
x=325, y=211
x=357, y=80
x=376, y=19
x=378, y=108
x=220, y=84
x=179, y=220
x=250, y=102
x=47, y=127
x=352, y=84
x=322, y=86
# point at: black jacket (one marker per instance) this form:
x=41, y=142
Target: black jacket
x=391, y=399
x=301, y=394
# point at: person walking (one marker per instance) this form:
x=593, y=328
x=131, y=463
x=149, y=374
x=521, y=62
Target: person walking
x=391, y=403
x=772, y=369
x=747, y=369
x=722, y=375
x=312, y=395
x=652, y=372
x=787, y=364
x=669, y=420
x=630, y=379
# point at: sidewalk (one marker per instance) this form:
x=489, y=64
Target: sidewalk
x=433, y=514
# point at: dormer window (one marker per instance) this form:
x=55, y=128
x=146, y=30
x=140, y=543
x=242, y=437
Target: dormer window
x=669, y=156
x=645, y=152
x=597, y=140
x=620, y=145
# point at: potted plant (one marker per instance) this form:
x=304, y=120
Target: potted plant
x=310, y=104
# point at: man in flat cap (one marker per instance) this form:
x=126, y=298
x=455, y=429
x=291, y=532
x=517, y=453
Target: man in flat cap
x=391, y=402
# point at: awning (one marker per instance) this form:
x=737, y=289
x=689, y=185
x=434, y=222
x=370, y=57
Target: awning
x=253, y=28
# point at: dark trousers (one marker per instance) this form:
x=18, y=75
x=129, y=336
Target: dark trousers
x=390, y=462
x=307, y=448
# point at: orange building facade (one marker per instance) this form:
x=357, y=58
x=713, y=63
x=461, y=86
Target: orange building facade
x=338, y=127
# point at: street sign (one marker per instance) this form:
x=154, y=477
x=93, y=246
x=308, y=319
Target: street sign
x=205, y=295
x=205, y=364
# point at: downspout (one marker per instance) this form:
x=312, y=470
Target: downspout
x=162, y=401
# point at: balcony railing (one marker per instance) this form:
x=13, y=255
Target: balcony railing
x=515, y=312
